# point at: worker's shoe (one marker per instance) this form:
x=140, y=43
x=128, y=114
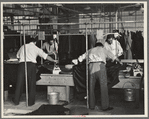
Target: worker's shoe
x=109, y=108
x=13, y=101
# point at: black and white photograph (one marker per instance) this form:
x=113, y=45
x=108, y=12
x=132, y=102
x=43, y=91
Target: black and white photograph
x=74, y=59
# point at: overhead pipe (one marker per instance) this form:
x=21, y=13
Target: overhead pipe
x=140, y=21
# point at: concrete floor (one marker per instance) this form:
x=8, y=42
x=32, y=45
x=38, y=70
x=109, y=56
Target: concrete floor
x=78, y=108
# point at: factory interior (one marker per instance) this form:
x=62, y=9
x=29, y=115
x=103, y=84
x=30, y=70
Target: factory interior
x=62, y=89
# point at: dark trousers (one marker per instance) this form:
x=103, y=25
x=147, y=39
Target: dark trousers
x=97, y=72
x=31, y=79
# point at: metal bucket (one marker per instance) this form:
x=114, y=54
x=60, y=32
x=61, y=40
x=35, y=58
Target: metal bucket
x=129, y=93
x=53, y=98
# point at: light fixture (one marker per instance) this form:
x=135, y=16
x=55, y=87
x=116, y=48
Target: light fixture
x=59, y=4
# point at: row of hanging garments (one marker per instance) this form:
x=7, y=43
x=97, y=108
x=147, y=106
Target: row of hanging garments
x=132, y=43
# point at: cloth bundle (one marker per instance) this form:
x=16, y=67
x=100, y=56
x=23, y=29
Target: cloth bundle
x=50, y=110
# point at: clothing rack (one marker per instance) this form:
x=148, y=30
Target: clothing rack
x=130, y=46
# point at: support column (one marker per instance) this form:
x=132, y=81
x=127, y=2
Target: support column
x=87, y=66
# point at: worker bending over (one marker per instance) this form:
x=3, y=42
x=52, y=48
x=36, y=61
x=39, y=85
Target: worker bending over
x=97, y=72
x=51, y=48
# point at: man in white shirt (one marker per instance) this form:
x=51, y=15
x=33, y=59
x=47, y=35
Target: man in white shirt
x=51, y=48
x=113, y=45
x=32, y=51
x=97, y=72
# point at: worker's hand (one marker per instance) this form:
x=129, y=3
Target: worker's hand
x=121, y=63
x=118, y=61
x=75, y=61
x=56, y=61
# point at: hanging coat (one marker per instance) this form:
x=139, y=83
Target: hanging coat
x=128, y=46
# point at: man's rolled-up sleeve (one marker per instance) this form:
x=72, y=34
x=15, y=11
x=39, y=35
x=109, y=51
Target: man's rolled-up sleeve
x=82, y=57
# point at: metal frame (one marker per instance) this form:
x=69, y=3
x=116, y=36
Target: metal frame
x=140, y=21
x=25, y=67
